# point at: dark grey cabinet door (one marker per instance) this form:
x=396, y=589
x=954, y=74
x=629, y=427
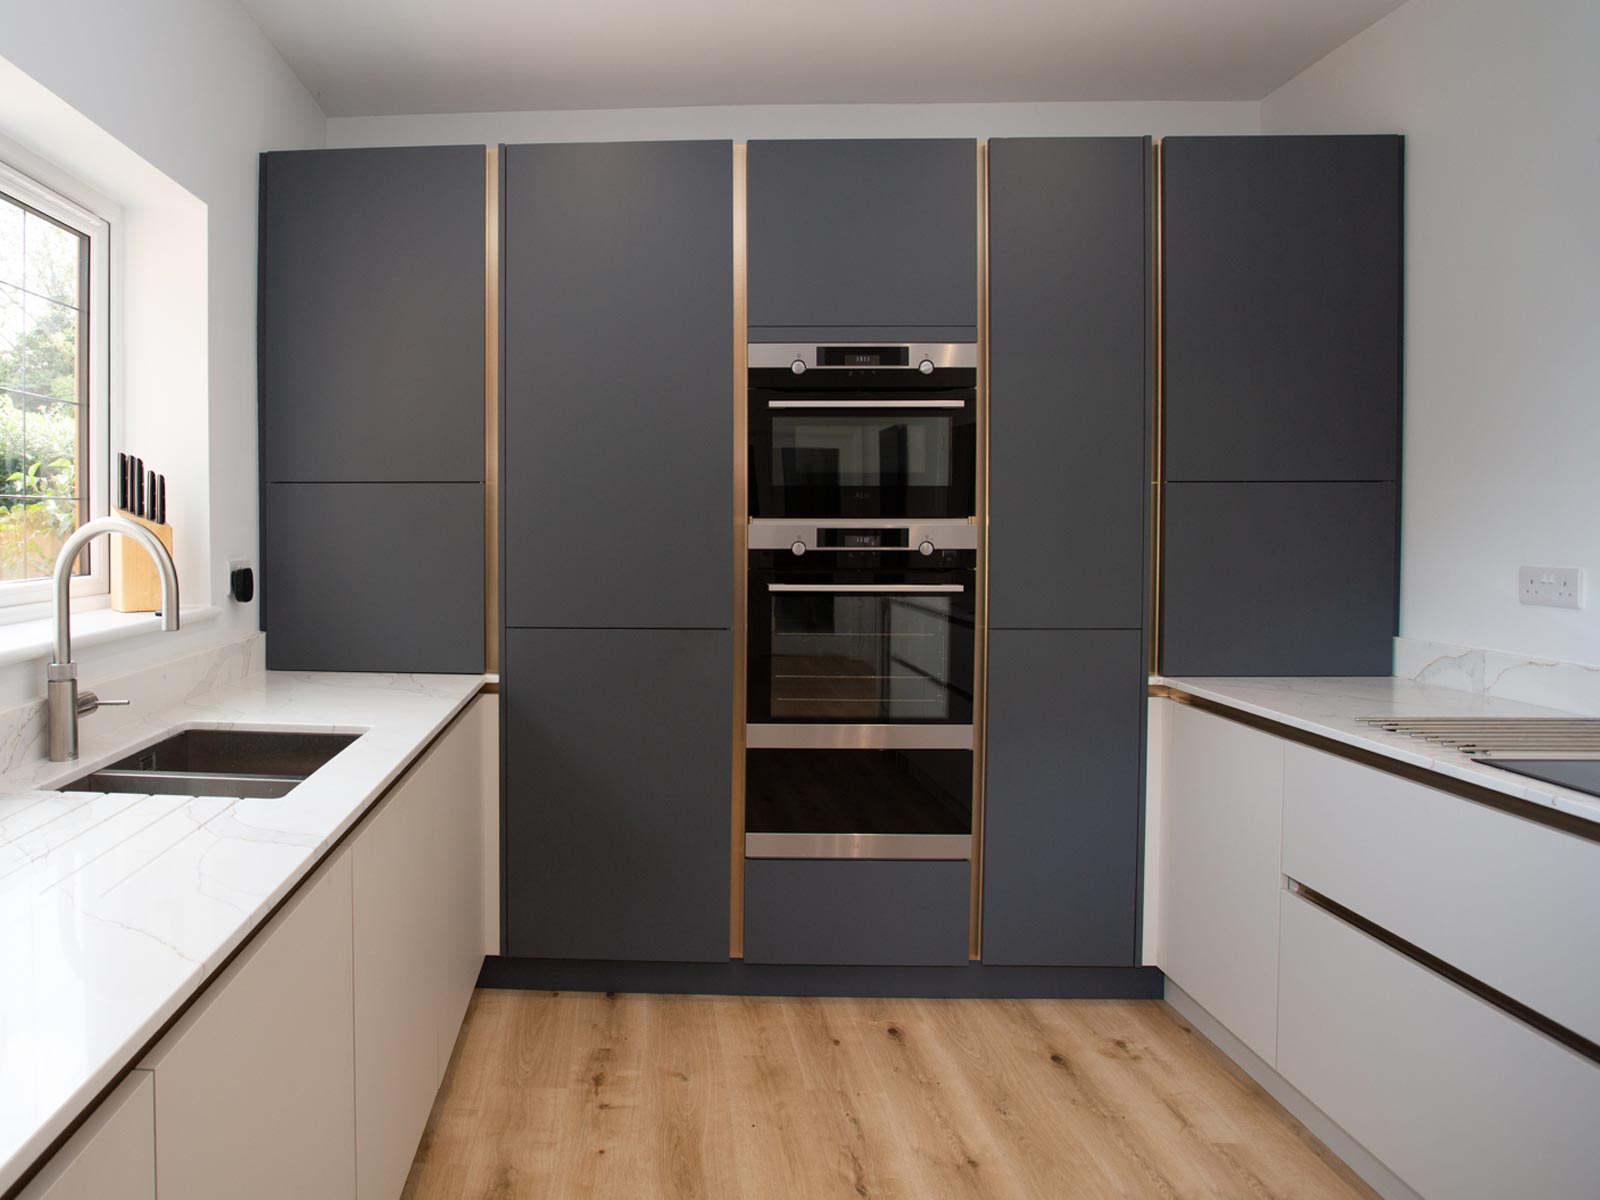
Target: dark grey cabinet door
x=1069, y=323
x=856, y=912
x=1279, y=578
x=372, y=315
x=1061, y=801
x=1283, y=307
x=374, y=577
x=618, y=745
x=617, y=310
x=863, y=239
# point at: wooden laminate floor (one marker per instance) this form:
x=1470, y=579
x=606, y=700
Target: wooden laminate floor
x=594, y=1097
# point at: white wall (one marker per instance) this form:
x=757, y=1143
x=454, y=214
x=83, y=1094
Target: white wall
x=193, y=89
x=803, y=120
x=1500, y=104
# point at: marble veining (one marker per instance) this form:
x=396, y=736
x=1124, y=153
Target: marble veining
x=1334, y=708
x=114, y=909
x=24, y=733
x=1574, y=687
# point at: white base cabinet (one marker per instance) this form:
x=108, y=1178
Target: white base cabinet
x=308, y=1067
x=1499, y=897
x=112, y=1156
x=1454, y=1096
x=418, y=943
x=255, y=1085
x=1222, y=820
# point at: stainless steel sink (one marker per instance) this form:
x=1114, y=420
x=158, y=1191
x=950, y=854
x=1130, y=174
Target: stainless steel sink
x=217, y=762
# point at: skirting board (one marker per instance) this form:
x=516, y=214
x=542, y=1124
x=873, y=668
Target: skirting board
x=1355, y=1156
x=735, y=978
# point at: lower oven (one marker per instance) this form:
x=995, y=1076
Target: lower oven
x=859, y=692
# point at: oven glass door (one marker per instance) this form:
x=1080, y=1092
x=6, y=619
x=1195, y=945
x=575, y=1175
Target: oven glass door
x=866, y=651
x=859, y=803
x=825, y=457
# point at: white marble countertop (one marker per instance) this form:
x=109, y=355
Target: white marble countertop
x=1333, y=708
x=114, y=909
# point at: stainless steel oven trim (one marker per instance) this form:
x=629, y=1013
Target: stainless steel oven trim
x=871, y=589
x=944, y=846
x=779, y=534
x=829, y=405
x=785, y=354
x=774, y=736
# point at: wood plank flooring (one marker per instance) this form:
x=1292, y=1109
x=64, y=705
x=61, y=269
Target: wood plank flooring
x=595, y=1097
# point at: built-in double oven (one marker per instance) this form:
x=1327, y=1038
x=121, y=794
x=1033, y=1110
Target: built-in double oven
x=862, y=602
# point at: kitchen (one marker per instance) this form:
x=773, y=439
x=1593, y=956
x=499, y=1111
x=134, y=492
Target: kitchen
x=716, y=615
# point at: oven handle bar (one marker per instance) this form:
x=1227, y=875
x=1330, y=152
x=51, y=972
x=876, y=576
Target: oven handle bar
x=831, y=404
x=760, y=735
x=869, y=588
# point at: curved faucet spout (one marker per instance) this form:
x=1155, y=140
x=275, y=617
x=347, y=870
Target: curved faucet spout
x=70, y=548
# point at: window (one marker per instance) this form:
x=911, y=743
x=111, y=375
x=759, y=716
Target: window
x=53, y=409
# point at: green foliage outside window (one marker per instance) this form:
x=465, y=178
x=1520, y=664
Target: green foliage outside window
x=40, y=434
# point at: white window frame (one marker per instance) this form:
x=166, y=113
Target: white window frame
x=24, y=600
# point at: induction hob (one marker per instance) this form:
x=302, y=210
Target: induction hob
x=1579, y=774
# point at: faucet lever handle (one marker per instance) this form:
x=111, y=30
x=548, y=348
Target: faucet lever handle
x=88, y=702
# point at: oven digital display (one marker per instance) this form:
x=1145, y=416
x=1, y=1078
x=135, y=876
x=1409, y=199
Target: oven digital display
x=862, y=539
x=863, y=356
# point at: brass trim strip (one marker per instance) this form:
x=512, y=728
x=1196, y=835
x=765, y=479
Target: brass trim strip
x=1540, y=814
x=491, y=412
x=980, y=666
x=1158, y=453
x=741, y=509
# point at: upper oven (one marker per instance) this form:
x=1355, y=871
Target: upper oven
x=862, y=431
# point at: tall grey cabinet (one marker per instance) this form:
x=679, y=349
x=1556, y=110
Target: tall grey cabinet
x=1069, y=280
x=617, y=444
x=371, y=395
x=1283, y=260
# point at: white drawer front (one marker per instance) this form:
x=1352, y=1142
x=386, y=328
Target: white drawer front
x=1503, y=899
x=1458, y=1099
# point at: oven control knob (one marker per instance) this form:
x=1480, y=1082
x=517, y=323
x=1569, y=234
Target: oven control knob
x=798, y=366
x=926, y=366
x=798, y=549
x=925, y=549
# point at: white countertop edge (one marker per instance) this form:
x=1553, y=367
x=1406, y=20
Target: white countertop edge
x=29, y=640
x=30, y=1150
x=1400, y=747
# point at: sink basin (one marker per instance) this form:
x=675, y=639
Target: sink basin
x=217, y=762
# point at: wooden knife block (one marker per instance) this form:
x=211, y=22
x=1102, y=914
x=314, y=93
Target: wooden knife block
x=135, y=582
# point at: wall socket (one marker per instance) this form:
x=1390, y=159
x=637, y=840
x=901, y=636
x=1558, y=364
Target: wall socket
x=1553, y=587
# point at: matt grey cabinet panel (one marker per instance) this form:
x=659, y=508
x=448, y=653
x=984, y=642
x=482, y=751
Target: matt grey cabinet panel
x=846, y=234
x=1283, y=307
x=1069, y=323
x=1279, y=578
x=372, y=314
x=1061, y=805
x=374, y=576
x=856, y=912
x=617, y=750
x=618, y=339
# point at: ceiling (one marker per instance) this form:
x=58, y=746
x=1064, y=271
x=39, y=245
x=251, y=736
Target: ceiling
x=374, y=57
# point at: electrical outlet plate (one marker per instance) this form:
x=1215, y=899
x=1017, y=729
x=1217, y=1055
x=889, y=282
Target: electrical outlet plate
x=1552, y=587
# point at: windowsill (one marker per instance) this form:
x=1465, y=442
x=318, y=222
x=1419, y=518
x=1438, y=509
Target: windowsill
x=29, y=640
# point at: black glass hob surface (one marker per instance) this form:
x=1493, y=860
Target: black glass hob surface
x=1579, y=774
